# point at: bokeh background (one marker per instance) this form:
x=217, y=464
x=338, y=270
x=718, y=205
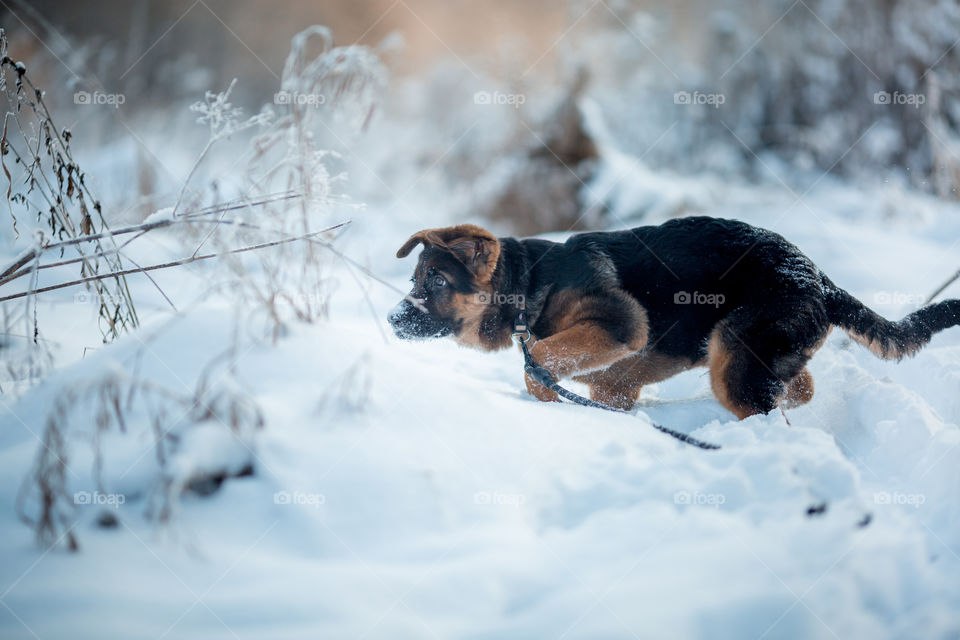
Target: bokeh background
x=282, y=463
x=781, y=91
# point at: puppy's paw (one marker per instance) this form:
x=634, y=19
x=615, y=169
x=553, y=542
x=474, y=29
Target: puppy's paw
x=539, y=391
x=616, y=397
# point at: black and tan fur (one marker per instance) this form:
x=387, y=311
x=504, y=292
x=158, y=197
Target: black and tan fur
x=608, y=309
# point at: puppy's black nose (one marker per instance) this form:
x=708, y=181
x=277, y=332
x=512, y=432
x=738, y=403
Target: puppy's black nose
x=400, y=319
x=396, y=314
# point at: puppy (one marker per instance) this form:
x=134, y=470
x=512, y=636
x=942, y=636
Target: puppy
x=622, y=309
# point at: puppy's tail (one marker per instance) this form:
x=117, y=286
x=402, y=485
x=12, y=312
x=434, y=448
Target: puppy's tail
x=887, y=339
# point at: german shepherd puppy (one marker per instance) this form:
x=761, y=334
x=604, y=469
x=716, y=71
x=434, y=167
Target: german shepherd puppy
x=622, y=309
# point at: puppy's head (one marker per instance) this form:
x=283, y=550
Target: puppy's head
x=451, y=284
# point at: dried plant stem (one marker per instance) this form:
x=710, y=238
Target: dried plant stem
x=117, y=250
x=50, y=170
x=193, y=170
x=166, y=265
x=370, y=274
x=942, y=287
x=152, y=281
x=11, y=272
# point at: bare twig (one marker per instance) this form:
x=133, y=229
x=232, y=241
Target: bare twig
x=148, y=226
x=11, y=273
x=154, y=282
x=370, y=274
x=942, y=287
x=166, y=265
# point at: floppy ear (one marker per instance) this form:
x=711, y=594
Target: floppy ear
x=474, y=246
x=408, y=246
x=478, y=251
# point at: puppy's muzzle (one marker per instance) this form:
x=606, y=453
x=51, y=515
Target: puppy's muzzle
x=411, y=323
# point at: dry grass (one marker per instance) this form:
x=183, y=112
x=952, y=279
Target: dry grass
x=45, y=182
x=290, y=192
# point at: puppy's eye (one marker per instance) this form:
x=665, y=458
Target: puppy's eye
x=439, y=281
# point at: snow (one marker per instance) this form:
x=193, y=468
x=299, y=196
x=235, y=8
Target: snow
x=411, y=490
x=159, y=216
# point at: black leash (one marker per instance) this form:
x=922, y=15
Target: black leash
x=522, y=334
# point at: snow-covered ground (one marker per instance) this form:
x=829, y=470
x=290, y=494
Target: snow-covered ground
x=414, y=490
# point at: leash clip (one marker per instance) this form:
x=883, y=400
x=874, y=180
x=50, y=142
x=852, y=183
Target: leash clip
x=520, y=328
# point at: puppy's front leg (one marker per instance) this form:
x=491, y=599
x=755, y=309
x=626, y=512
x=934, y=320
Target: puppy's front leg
x=582, y=347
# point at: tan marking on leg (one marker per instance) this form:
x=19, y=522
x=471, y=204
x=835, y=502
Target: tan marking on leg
x=577, y=345
x=823, y=339
x=721, y=361
x=618, y=397
x=799, y=391
x=570, y=308
x=579, y=348
x=619, y=384
x=539, y=391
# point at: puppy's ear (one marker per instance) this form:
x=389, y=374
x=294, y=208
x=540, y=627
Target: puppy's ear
x=478, y=251
x=409, y=245
x=474, y=246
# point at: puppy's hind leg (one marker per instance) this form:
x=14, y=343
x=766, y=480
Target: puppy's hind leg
x=757, y=356
x=799, y=391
